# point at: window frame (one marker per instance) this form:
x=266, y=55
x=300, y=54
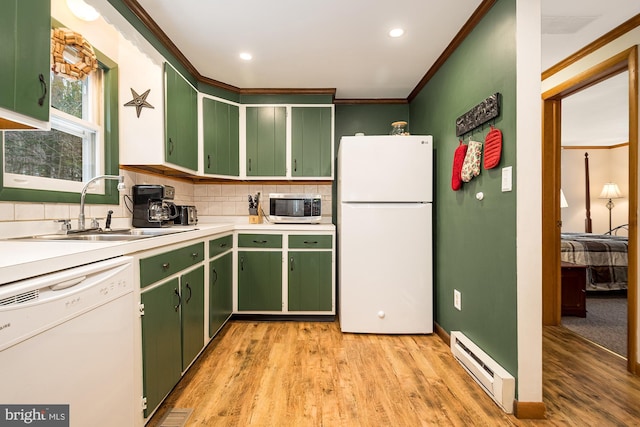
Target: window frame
x=110, y=154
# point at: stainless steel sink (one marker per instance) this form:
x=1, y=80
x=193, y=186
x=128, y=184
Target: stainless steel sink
x=106, y=236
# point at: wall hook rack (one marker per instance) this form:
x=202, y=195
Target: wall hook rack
x=483, y=112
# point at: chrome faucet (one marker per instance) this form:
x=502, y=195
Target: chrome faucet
x=121, y=187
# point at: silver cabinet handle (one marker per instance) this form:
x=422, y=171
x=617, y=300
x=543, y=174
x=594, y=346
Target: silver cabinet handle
x=242, y=264
x=215, y=279
x=291, y=263
x=194, y=255
x=166, y=266
x=260, y=242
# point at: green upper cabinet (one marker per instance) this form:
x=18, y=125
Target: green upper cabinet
x=220, y=123
x=266, y=141
x=311, y=141
x=181, y=120
x=25, y=32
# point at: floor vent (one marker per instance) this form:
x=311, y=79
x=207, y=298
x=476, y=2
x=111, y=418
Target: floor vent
x=493, y=378
x=176, y=417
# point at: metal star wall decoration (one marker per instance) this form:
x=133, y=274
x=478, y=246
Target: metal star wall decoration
x=139, y=101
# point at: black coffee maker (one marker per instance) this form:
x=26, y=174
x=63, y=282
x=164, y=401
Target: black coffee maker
x=152, y=206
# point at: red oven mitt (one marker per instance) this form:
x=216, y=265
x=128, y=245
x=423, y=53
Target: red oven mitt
x=492, y=148
x=458, y=159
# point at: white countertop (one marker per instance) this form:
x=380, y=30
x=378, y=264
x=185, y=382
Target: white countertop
x=23, y=259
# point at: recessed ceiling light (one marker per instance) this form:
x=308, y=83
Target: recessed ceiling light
x=82, y=10
x=396, y=32
x=246, y=56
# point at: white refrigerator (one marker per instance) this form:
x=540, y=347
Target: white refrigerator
x=385, y=234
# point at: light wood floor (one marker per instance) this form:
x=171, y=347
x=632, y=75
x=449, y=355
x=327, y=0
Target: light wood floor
x=310, y=374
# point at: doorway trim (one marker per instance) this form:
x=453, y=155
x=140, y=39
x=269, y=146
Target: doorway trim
x=551, y=217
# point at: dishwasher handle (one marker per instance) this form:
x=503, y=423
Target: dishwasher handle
x=67, y=283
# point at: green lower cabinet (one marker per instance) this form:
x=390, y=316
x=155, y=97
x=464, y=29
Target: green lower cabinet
x=192, y=307
x=310, y=281
x=260, y=280
x=161, y=351
x=220, y=292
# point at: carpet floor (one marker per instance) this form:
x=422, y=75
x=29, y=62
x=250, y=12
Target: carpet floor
x=605, y=324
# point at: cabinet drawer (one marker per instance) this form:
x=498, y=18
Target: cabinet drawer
x=218, y=246
x=311, y=241
x=163, y=265
x=260, y=240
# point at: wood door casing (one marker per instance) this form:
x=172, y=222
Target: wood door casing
x=551, y=115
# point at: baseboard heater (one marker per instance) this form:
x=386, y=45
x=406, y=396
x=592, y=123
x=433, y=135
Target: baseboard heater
x=493, y=378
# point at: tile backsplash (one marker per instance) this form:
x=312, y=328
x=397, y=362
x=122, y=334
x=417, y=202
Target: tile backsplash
x=219, y=199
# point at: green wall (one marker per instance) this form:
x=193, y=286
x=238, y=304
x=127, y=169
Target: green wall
x=370, y=119
x=475, y=241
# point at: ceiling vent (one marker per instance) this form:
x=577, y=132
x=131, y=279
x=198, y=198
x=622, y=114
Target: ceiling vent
x=565, y=24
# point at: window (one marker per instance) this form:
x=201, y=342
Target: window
x=62, y=158
x=51, y=166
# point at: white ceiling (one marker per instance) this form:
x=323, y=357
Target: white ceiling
x=313, y=43
x=345, y=45
x=598, y=115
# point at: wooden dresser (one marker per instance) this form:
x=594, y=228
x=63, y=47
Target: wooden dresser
x=574, y=282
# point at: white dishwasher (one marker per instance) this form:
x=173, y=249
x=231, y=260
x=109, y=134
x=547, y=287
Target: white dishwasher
x=67, y=338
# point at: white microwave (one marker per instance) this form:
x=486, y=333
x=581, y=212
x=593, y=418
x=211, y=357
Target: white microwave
x=295, y=208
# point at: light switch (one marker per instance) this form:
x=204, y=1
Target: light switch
x=506, y=178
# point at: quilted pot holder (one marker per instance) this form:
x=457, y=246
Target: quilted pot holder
x=458, y=159
x=471, y=165
x=492, y=148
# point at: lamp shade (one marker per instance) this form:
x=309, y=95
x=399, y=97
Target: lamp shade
x=610, y=191
x=563, y=200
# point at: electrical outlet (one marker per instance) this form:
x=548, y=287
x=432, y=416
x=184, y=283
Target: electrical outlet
x=457, y=299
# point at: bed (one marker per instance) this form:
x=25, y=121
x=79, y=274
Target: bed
x=604, y=255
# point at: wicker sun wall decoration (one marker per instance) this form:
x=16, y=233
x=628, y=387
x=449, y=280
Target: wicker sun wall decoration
x=71, y=54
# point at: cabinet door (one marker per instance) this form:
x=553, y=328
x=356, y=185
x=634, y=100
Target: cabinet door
x=160, y=342
x=220, y=292
x=192, y=294
x=25, y=31
x=310, y=141
x=181, y=129
x=266, y=141
x=260, y=281
x=220, y=137
x=310, y=281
